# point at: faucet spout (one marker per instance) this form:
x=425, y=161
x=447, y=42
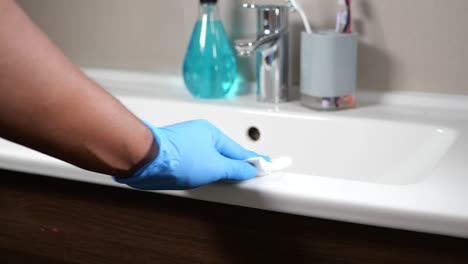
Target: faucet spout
x=247, y=47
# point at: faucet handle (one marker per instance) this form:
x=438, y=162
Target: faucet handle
x=271, y=19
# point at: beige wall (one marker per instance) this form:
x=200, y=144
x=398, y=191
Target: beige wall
x=405, y=44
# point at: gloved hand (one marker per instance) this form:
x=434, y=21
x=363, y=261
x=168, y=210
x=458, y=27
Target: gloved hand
x=192, y=154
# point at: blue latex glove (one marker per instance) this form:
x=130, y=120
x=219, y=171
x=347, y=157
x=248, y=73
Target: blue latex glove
x=192, y=154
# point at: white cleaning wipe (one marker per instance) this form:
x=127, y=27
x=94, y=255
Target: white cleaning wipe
x=264, y=167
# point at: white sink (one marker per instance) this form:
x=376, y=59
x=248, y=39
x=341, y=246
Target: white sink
x=347, y=148
x=400, y=161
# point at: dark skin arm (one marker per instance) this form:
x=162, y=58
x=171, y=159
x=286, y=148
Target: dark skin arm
x=48, y=104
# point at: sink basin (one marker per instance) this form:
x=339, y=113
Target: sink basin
x=366, y=150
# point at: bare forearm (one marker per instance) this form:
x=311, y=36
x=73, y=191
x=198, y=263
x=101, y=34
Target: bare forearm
x=47, y=104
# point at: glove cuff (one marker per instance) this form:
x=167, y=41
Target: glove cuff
x=149, y=159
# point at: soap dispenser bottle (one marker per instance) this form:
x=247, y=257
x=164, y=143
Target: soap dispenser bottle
x=210, y=69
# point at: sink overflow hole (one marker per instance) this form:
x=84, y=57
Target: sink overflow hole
x=253, y=133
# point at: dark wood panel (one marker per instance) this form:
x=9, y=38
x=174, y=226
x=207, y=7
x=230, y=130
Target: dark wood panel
x=46, y=220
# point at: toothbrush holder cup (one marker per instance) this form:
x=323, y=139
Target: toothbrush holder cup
x=328, y=70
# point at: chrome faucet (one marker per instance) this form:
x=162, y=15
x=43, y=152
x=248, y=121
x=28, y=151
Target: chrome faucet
x=271, y=49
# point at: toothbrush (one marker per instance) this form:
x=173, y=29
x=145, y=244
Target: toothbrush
x=348, y=29
x=342, y=17
x=294, y=5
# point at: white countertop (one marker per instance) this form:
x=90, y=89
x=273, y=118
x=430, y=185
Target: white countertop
x=437, y=204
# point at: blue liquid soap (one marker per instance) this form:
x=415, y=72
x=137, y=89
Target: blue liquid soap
x=210, y=68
